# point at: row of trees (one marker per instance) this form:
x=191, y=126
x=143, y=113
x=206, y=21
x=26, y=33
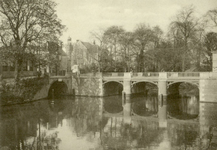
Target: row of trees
x=25, y=28
x=187, y=44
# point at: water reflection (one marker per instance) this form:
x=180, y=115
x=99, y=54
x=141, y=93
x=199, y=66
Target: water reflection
x=183, y=107
x=118, y=134
x=113, y=104
x=145, y=105
x=81, y=123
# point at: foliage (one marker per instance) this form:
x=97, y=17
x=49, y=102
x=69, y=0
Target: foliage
x=24, y=89
x=184, y=27
x=210, y=44
x=111, y=38
x=185, y=46
x=188, y=89
x=143, y=38
x=89, y=68
x=212, y=15
x=27, y=23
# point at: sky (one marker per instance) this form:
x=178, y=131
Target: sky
x=84, y=16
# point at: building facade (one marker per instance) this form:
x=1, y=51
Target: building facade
x=83, y=54
x=7, y=69
x=46, y=62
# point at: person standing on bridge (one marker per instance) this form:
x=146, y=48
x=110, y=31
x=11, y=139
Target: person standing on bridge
x=75, y=70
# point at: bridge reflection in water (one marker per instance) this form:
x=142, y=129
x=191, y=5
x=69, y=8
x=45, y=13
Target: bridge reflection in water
x=100, y=123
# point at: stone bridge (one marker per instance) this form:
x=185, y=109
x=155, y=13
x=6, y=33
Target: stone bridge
x=125, y=84
x=205, y=81
x=163, y=80
x=57, y=85
x=104, y=84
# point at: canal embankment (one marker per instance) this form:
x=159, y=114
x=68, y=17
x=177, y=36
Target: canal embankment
x=22, y=91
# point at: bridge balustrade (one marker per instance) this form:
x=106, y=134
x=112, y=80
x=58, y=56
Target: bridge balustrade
x=107, y=74
x=154, y=74
x=145, y=74
x=188, y=74
x=150, y=74
x=192, y=74
x=183, y=74
x=121, y=74
x=157, y=74
x=113, y=74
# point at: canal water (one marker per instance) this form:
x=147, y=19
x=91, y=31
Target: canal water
x=89, y=123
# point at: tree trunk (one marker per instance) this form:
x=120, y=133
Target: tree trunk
x=141, y=60
x=125, y=60
x=184, y=54
x=183, y=62
x=18, y=66
x=198, y=59
x=115, y=58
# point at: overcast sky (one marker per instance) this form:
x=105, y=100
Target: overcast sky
x=83, y=16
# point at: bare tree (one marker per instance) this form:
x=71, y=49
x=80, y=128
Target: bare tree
x=26, y=22
x=184, y=26
x=126, y=43
x=143, y=35
x=212, y=14
x=98, y=35
x=111, y=38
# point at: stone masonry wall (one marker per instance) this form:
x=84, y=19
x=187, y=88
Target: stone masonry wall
x=43, y=93
x=208, y=101
x=87, y=86
x=208, y=90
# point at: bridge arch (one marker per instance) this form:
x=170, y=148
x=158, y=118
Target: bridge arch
x=144, y=87
x=180, y=82
x=183, y=99
x=143, y=81
x=105, y=82
x=112, y=88
x=57, y=88
x=145, y=94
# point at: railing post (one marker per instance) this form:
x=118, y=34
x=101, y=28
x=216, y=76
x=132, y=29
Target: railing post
x=163, y=75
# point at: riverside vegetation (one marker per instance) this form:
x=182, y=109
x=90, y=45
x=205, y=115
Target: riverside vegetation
x=22, y=90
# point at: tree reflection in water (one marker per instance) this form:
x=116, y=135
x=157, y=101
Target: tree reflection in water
x=138, y=134
x=42, y=125
x=184, y=135
x=148, y=106
x=113, y=104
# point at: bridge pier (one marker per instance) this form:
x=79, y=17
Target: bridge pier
x=127, y=109
x=126, y=88
x=162, y=103
x=126, y=91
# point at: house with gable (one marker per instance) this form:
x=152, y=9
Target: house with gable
x=84, y=54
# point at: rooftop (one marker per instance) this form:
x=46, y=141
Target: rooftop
x=92, y=48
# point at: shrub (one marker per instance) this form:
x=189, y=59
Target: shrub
x=24, y=89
